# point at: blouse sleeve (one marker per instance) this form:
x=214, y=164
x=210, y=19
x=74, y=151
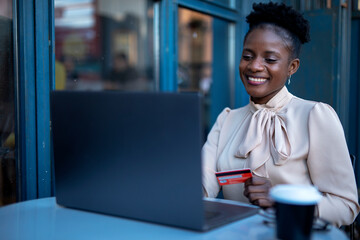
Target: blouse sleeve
x=330, y=167
x=209, y=157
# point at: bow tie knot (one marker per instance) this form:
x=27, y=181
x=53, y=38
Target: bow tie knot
x=266, y=138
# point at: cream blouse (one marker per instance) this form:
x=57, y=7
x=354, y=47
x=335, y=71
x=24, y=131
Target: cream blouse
x=288, y=140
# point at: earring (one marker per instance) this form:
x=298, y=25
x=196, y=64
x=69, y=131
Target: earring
x=289, y=80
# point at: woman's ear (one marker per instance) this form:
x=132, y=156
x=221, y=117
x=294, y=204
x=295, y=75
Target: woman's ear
x=294, y=66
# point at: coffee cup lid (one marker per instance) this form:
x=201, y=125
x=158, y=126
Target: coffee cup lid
x=295, y=194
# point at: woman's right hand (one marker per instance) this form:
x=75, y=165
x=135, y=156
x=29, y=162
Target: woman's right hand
x=257, y=191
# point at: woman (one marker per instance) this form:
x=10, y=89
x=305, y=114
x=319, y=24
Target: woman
x=283, y=139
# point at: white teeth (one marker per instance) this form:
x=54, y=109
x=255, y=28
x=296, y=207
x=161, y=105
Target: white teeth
x=257, y=79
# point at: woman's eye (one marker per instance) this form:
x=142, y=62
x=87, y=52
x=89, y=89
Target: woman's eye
x=270, y=60
x=246, y=57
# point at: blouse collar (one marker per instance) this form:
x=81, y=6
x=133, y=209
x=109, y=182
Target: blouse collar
x=276, y=103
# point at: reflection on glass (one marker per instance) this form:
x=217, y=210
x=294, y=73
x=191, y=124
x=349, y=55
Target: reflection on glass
x=104, y=45
x=7, y=125
x=195, y=56
x=204, y=61
x=195, y=51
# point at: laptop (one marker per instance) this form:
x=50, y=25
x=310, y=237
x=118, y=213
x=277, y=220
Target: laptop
x=135, y=155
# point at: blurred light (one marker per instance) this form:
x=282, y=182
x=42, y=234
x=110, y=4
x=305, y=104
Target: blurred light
x=65, y=3
x=75, y=14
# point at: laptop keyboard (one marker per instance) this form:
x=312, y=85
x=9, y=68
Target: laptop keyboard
x=209, y=214
x=219, y=213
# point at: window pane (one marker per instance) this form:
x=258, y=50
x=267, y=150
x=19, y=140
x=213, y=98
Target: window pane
x=204, y=61
x=195, y=55
x=7, y=125
x=104, y=44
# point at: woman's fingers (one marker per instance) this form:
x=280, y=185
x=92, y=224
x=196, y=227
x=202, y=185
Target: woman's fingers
x=255, y=180
x=264, y=203
x=256, y=189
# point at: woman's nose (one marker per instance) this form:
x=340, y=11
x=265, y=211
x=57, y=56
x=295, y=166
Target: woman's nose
x=256, y=65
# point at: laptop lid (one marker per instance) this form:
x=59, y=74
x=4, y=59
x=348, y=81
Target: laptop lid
x=134, y=155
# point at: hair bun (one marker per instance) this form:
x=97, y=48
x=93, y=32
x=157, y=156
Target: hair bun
x=282, y=16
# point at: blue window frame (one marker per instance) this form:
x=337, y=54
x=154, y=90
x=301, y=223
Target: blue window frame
x=33, y=80
x=26, y=118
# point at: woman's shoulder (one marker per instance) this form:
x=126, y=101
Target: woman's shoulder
x=231, y=111
x=304, y=103
x=312, y=107
x=228, y=114
x=237, y=112
x=308, y=104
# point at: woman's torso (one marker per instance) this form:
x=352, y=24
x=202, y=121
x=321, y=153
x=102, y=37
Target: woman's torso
x=294, y=117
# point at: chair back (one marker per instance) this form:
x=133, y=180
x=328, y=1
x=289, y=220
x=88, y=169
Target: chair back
x=352, y=226
x=353, y=160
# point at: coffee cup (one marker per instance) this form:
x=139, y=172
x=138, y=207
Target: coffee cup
x=295, y=207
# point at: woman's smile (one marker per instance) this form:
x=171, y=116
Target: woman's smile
x=256, y=80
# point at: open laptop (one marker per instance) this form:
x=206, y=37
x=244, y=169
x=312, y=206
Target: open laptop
x=135, y=155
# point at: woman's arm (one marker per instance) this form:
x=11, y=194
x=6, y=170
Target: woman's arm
x=209, y=157
x=330, y=167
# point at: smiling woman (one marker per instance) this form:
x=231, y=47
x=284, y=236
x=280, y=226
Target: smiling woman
x=265, y=64
x=283, y=139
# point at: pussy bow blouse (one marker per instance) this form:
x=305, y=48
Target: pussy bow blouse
x=290, y=141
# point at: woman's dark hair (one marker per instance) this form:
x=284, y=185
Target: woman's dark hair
x=284, y=20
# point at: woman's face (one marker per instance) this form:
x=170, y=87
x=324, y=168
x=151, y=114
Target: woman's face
x=265, y=65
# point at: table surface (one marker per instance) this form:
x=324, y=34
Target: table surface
x=44, y=219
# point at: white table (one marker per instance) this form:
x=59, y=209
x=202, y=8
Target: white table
x=44, y=219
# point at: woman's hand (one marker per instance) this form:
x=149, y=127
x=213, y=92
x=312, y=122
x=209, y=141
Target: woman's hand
x=257, y=191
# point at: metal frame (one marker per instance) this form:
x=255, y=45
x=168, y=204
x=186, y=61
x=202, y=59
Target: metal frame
x=51, y=23
x=26, y=104
x=344, y=36
x=43, y=81
x=33, y=78
x=168, y=61
x=17, y=99
x=354, y=113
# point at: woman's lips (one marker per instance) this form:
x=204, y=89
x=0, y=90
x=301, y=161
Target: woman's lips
x=256, y=80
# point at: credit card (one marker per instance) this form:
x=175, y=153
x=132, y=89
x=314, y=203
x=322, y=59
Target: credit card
x=233, y=176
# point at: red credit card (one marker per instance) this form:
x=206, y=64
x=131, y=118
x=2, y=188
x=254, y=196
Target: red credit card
x=233, y=176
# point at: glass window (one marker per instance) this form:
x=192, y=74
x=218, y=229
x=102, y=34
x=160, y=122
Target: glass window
x=7, y=124
x=195, y=51
x=104, y=45
x=204, y=61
